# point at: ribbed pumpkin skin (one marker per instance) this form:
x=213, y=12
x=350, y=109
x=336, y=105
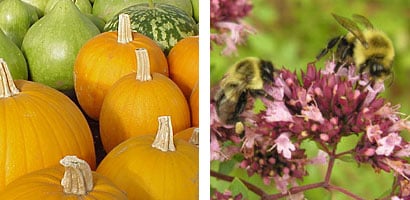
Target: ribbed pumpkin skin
x=183, y=62
x=102, y=61
x=185, y=134
x=194, y=105
x=164, y=23
x=148, y=173
x=45, y=184
x=39, y=126
x=132, y=107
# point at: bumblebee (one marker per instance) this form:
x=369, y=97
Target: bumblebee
x=246, y=77
x=369, y=49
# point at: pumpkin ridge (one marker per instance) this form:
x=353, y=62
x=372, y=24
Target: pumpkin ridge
x=39, y=98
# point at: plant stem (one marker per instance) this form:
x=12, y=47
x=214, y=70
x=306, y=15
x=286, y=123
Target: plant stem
x=295, y=190
x=143, y=65
x=78, y=179
x=164, y=140
x=344, y=191
x=250, y=186
x=124, y=33
x=7, y=86
x=151, y=3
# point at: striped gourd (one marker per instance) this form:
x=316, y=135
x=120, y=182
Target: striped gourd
x=164, y=23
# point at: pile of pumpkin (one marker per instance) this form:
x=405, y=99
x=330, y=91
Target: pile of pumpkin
x=128, y=66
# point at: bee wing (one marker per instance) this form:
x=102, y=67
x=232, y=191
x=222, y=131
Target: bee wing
x=363, y=20
x=352, y=27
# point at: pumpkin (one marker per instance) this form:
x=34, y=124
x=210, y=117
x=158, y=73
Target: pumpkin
x=194, y=105
x=190, y=135
x=183, y=63
x=52, y=43
x=164, y=23
x=39, y=125
x=16, y=19
x=73, y=179
x=106, y=58
x=134, y=102
x=154, y=166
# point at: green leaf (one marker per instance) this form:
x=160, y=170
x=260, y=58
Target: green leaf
x=347, y=158
x=237, y=187
x=227, y=166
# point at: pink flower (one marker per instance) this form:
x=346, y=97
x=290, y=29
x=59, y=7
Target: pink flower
x=277, y=111
x=373, y=132
x=284, y=145
x=320, y=159
x=387, y=144
x=312, y=112
x=225, y=19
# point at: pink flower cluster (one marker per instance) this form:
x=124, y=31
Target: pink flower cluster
x=226, y=22
x=323, y=106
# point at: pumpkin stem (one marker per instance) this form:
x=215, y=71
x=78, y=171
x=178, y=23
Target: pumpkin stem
x=164, y=139
x=194, y=137
x=143, y=66
x=8, y=88
x=151, y=3
x=78, y=177
x=124, y=29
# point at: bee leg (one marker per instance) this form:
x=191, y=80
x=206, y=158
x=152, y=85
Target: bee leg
x=261, y=93
x=329, y=46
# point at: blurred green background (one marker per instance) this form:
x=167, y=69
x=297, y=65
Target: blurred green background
x=291, y=34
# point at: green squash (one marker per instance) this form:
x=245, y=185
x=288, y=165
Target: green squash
x=52, y=43
x=39, y=5
x=164, y=23
x=14, y=58
x=107, y=9
x=15, y=19
x=83, y=5
x=195, y=9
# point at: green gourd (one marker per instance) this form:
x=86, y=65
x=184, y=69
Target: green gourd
x=39, y=5
x=107, y=9
x=83, y=5
x=52, y=44
x=163, y=23
x=16, y=18
x=14, y=57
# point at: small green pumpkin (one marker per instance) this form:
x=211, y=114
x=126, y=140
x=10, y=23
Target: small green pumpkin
x=164, y=23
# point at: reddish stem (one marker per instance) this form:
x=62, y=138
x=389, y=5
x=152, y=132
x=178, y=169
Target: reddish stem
x=250, y=186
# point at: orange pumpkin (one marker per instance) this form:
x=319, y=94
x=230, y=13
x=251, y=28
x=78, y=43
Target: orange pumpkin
x=106, y=58
x=134, y=102
x=39, y=125
x=190, y=135
x=183, y=62
x=154, y=167
x=71, y=180
x=194, y=105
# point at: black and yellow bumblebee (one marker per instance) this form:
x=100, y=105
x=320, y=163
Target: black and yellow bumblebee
x=245, y=77
x=371, y=50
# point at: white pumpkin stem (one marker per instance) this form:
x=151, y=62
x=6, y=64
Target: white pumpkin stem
x=78, y=178
x=194, y=137
x=143, y=65
x=124, y=32
x=164, y=140
x=8, y=88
